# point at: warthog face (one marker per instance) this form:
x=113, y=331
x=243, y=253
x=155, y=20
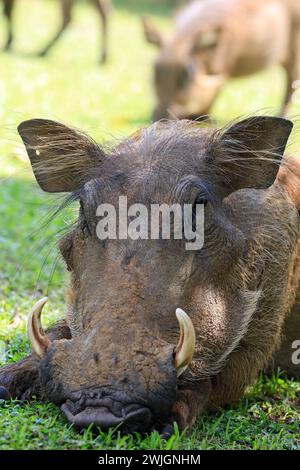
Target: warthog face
x=185, y=82
x=129, y=354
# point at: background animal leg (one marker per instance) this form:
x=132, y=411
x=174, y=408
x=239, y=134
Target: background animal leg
x=8, y=9
x=292, y=67
x=66, y=9
x=103, y=7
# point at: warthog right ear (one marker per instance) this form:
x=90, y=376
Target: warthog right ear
x=250, y=151
x=152, y=34
x=62, y=158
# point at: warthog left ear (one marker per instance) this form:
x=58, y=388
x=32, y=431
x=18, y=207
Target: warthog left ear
x=152, y=33
x=248, y=154
x=62, y=158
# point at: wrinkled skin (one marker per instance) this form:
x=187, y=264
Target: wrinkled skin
x=112, y=361
x=66, y=6
x=215, y=40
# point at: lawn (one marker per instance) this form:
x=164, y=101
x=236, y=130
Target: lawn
x=107, y=102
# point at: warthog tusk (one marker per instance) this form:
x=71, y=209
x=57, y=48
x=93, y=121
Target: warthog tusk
x=37, y=337
x=185, y=348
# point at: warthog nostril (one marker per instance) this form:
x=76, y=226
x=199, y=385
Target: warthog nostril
x=134, y=418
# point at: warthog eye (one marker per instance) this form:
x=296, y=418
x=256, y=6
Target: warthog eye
x=201, y=200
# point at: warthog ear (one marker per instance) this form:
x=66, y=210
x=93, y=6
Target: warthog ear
x=62, y=158
x=152, y=33
x=249, y=153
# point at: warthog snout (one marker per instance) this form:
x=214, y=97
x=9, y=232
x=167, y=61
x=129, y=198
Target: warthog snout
x=106, y=412
x=114, y=391
x=172, y=74
x=170, y=79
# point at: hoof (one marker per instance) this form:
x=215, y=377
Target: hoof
x=4, y=394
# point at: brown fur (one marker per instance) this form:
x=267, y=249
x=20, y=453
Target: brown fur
x=238, y=290
x=214, y=40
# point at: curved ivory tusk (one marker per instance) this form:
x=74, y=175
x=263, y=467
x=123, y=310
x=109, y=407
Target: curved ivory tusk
x=187, y=341
x=39, y=340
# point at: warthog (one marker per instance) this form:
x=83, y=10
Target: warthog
x=102, y=6
x=214, y=40
x=122, y=356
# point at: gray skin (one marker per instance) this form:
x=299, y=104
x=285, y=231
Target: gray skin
x=102, y=6
x=213, y=41
x=111, y=361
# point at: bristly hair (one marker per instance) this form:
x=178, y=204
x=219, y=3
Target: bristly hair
x=60, y=156
x=158, y=141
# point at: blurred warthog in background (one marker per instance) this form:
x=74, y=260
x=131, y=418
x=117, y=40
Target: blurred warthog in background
x=121, y=357
x=102, y=6
x=214, y=40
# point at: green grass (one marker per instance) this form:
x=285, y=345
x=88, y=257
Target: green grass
x=265, y=419
x=110, y=101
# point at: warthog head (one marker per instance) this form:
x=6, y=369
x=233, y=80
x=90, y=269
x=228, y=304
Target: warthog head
x=187, y=78
x=132, y=343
